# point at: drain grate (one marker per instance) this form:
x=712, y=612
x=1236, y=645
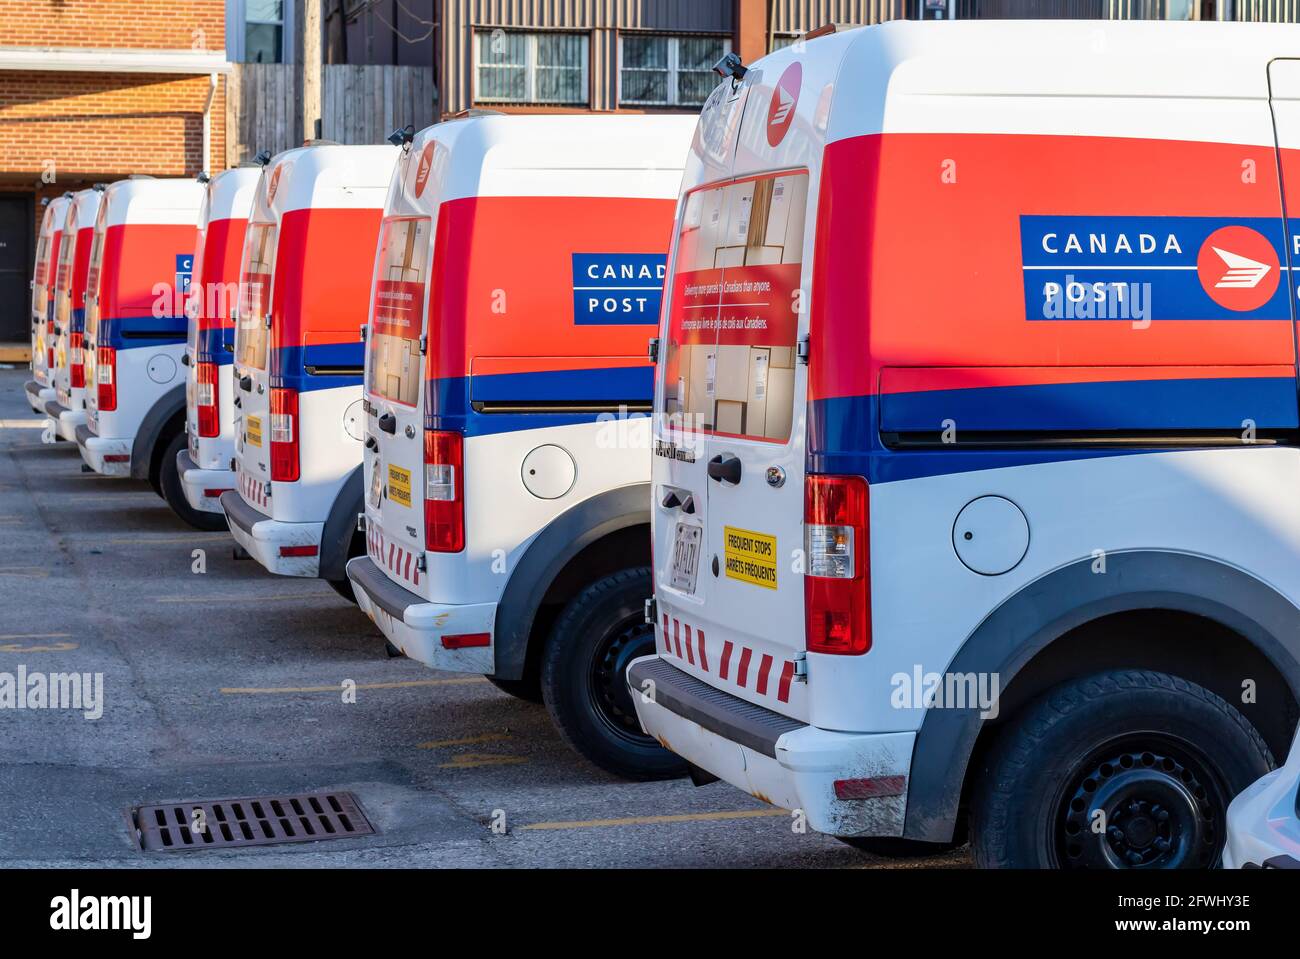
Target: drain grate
x=258, y=821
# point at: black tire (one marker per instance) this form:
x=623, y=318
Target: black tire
x=583, y=683
x=1159, y=756
x=530, y=691
x=169, y=488
x=896, y=847
x=344, y=588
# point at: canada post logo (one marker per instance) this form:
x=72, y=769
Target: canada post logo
x=184, y=270
x=1154, y=268
x=617, y=288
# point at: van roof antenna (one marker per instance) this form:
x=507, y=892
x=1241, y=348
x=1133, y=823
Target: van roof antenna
x=203, y=177
x=262, y=158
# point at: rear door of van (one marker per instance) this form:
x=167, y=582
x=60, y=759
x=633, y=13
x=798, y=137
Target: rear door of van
x=394, y=387
x=731, y=373
x=252, y=365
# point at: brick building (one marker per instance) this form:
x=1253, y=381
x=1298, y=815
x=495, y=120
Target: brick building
x=95, y=90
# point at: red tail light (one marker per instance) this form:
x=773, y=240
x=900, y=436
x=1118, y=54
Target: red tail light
x=49, y=358
x=444, y=492
x=77, y=368
x=106, y=379
x=206, y=398
x=284, y=436
x=837, y=583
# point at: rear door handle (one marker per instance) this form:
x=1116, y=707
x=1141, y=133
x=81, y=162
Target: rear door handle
x=726, y=467
x=388, y=423
x=246, y=384
x=372, y=444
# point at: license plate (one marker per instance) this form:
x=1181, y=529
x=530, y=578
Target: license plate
x=686, y=557
x=253, y=430
x=399, y=485
x=376, y=484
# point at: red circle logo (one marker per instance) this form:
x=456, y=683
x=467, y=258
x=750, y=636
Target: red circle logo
x=785, y=97
x=425, y=167
x=1238, y=268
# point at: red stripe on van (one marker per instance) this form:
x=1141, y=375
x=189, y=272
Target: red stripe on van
x=677, y=637
x=787, y=676
x=727, y=647
x=668, y=646
x=704, y=660
x=690, y=655
x=764, y=668
x=743, y=672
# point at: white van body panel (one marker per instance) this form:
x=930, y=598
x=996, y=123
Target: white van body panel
x=144, y=375
x=526, y=157
x=229, y=196
x=323, y=177
x=1120, y=80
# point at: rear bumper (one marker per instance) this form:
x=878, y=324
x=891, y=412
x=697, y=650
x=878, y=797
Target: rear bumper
x=65, y=420
x=420, y=629
x=203, y=488
x=105, y=456
x=772, y=757
x=263, y=537
x=1264, y=822
x=38, y=394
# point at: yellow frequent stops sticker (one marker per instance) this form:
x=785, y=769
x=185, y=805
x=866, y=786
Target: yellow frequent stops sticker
x=253, y=430
x=751, y=557
x=399, y=485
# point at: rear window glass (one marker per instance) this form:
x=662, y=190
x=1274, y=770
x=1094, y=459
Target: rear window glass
x=251, y=331
x=42, y=273
x=92, y=280
x=397, y=310
x=63, y=275
x=729, y=357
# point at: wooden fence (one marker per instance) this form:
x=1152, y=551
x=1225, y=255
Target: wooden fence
x=359, y=104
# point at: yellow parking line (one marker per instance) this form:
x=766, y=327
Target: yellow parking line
x=471, y=760
x=230, y=690
x=657, y=820
x=35, y=635
x=22, y=424
x=51, y=648
x=468, y=740
x=31, y=572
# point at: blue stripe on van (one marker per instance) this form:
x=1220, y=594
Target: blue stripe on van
x=1222, y=403
x=215, y=345
x=448, y=400
x=843, y=432
x=289, y=366
x=77, y=320
x=139, y=332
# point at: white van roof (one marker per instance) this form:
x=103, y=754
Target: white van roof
x=55, y=212
x=1009, y=76
x=230, y=194
x=328, y=176
x=84, y=205
x=499, y=155
x=168, y=201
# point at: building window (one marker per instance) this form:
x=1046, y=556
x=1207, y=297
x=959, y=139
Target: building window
x=544, y=68
x=264, y=31
x=666, y=71
x=782, y=40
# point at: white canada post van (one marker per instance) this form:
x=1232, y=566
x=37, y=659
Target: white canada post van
x=135, y=332
x=40, y=388
x=978, y=374
x=204, y=465
x=67, y=410
x=516, y=286
x=304, y=282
